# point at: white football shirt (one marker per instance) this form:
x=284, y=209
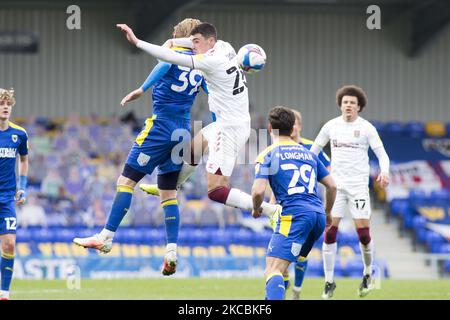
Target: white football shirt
x=349, y=142
x=228, y=93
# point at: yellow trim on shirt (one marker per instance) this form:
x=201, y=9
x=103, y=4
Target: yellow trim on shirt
x=15, y=126
x=262, y=155
x=306, y=141
x=181, y=49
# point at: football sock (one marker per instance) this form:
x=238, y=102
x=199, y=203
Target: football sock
x=6, y=269
x=287, y=282
x=329, y=256
x=366, y=253
x=171, y=219
x=300, y=269
x=239, y=199
x=275, y=287
x=121, y=204
x=106, y=234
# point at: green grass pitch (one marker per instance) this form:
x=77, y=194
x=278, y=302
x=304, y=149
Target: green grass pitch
x=212, y=289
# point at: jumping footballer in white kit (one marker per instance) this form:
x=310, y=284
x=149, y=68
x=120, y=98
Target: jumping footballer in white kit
x=228, y=101
x=350, y=137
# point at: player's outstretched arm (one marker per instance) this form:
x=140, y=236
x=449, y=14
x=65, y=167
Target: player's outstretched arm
x=157, y=73
x=161, y=53
x=133, y=95
x=330, y=195
x=258, y=190
x=384, y=162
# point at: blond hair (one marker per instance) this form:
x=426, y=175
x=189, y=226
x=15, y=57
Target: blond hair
x=298, y=115
x=184, y=28
x=7, y=95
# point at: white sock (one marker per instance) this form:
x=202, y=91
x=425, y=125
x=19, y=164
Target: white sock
x=171, y=247
x=366, y=254
x=4, y=294
x=106, y=234
x=239, y=199
x=186, y=171
x=329, y=256
x=297, y=289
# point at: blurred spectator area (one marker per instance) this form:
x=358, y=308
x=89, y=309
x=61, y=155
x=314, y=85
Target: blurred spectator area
x=74, y=166
x=75, y=162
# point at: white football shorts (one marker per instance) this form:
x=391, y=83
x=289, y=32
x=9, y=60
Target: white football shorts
x=225, y=141
x=357, y=203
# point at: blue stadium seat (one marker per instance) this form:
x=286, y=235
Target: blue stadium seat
x=24, y=235
x=354, y=268
x=399, y=205
x=184, y=237
x=421, y=235
x=261, y=239
x=154, y=236
x=418, y=197
x=201, y=237
x=415, y=129
x=419, y=222
x=348, y=238
x=394, y=128
x=379, y=125
x=444, y=248
x=315, y=268
x=440, y=197
x=434, y=241
x=219, y=237
x=42, y=235
x=242, y=236
x=64, y=234
x=447, y=266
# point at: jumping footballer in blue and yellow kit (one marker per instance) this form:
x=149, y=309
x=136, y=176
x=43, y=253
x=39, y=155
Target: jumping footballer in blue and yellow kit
x=292, y=172
x=13, y=143
x=174, y=92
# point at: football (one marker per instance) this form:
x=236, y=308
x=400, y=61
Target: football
x=251, y=58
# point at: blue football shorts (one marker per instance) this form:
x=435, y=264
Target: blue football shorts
x=8, y=221
x=295, y=235
x=154, y=144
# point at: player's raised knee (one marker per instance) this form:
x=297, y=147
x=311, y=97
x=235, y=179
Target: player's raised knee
x=219, y=194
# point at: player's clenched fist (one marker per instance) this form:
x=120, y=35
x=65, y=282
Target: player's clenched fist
x=20, y=197
x=128, y=32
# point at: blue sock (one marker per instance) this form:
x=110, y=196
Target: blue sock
x=6, y=268
x=275, y=287
x=300, y=269
x=287, y=282
x=171, y=219
x=120, y=207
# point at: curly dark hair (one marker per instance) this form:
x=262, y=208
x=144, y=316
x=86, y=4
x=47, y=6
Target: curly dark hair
x=354, y=91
